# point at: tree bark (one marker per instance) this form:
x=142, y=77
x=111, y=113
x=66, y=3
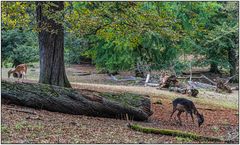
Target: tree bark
x=81, y=102
x=16, y=63
x=51, y=43
x=232, y=61
x=214, y=68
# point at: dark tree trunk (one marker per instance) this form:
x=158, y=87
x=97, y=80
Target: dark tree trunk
x=232, y=61
x=214, y=68
x=16, y=63
x=81, y=102
x=139, y=73
x=51, y=43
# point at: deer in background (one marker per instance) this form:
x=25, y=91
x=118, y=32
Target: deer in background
x=20, y=71
x=185, y=105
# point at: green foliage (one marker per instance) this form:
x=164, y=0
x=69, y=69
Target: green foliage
x=18, y=45
x=154, y=35
x=112, y=57
x=220, y=36
x=17, y=15
x=74, y=48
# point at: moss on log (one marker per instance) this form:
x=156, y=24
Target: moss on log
x=82, y=102
x=172, y=133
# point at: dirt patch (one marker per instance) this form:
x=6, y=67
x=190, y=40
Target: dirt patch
x=218, y=122
x=53, y=127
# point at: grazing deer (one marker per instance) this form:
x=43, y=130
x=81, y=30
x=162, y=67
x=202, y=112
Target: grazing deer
x=185, y=105
x=20, y=71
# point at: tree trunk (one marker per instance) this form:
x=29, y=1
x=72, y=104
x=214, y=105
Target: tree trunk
x=16, y=63
x=232, y=61
x=82, y=102
x=214, y=68
x=138, y=70
x=51, y=43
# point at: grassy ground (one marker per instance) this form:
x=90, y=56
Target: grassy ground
x=102, y=82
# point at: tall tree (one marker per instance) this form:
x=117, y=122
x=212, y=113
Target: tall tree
x=51, y=43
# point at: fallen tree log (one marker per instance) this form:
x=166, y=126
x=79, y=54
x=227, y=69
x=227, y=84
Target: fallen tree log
x=81, y=102
x=81, y=74
x=131, y=78
x=173, y=133
x=152, y=84
x=201, y=85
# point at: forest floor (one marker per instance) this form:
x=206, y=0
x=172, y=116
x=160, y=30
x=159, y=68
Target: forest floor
x=220, y=112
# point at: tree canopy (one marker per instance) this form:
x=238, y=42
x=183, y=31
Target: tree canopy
x=153, y=35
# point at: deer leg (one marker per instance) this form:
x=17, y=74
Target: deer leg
x=18, y=76
x=23, y=76
x=186, y=115
x=179, y=118
x=174, y=110
x=192, y=117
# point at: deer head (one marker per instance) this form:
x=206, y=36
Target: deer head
x=200, y=119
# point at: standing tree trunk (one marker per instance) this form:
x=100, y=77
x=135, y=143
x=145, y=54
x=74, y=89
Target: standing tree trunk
x=232, y=61
x=16, y=63
x=51, y=43
x=214, y=68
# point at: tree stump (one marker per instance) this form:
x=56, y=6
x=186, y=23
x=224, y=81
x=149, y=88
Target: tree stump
x=81, y=102
x=168, y=81
x=222, y=87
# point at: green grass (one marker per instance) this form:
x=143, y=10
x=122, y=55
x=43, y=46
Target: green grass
x=19, y=126
x=215, y=128
x=183, y=139
x=4, y=129
x=220, y=103
x=127, y=99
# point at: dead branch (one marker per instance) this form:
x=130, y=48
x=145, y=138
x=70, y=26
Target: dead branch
x=147, y=79
x=131, y=78
x=221, y=86
x=209, y=79
x=230, y=79
x=81, y=74
x=201, y=85
x=235, y=88
x=189, y=77
x=152, y=84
